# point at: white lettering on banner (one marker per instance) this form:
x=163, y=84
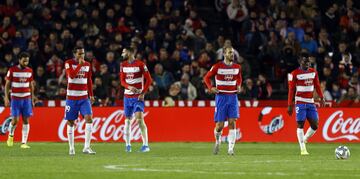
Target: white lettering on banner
x=107, y=128
x=348, y=128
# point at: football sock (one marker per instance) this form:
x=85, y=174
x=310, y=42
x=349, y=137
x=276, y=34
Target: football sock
x=300, y=136
x=217, y=136
x=127, y=131
x=88, y=132
x=25, y=133
x=144, y=134
x=70, y=133
x=11, y=129
x=232, y=138
x=309, y=133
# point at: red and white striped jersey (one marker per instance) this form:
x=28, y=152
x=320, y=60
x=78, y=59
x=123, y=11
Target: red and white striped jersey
x=133, y=74
x=20, y=82
x=304, y=82
x=227, y=77
x=79, y=80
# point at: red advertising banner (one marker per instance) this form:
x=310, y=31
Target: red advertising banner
x=182, y=124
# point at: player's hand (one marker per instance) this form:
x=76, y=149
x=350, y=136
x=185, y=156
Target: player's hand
x=214, y=90
x=133, y=89
x=92, y=99
x=290, y=110
x=81, y=61
x=34, y=100
x=6, y=102
x=322, y=102
x=239, y=89
x=141, y=97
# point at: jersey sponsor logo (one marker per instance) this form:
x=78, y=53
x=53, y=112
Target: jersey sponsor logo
x=222, y=71
x=228, y=77
x=22, y=74
x=130, y=76
x=337, y=127
x=306, y=76
x=131, y=69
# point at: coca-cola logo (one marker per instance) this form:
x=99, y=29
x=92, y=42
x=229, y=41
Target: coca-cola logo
x=108, y=128
x=336, y=127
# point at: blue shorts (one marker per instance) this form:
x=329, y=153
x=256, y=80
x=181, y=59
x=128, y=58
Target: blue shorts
x=227, y=106
x=306, y=111
x=21, y=107
x=133, y=105
x=73, y=107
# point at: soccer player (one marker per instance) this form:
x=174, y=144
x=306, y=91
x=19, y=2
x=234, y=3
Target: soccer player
x=228, y=83
x=133, y=72
x=304, y=80
x=20, y=79
x=79, y=97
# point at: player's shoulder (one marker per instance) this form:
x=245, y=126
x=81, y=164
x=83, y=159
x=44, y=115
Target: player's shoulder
x=29, y=69
x=236, y=65
x=69, y=61
x=139, y=62
x=312, y=70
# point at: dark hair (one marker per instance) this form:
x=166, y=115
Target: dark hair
x=77, y=48
x=304, y=55
x=24, y=55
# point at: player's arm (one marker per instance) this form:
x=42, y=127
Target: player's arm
x=318, y=89
x=148, y=81
x=291, y=83
x=239, y=81
x=207, y=79
x=72, y=73
x=90, y=86
x=8, y=80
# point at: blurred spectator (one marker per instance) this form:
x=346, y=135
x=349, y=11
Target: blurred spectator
x=237, y=13
x=249, y=90
x=264, y=87
x=187, y=90
x=162, y=78
x=100, y=92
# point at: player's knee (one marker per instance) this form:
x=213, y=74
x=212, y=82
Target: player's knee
x=70, y=123
x=314, y=127
x=300, y=125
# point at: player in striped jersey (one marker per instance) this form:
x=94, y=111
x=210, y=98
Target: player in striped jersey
x=79, y=97
x=136, y=79
x=304, y=80
x=228, y=83
x=20, y=79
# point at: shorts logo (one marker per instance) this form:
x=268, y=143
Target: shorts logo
x=297, y=110
x=67, y=108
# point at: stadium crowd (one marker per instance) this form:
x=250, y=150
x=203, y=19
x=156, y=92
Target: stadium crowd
x=179, y=40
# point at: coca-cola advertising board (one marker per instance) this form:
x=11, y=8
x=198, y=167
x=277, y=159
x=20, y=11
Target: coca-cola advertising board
x=192, y=124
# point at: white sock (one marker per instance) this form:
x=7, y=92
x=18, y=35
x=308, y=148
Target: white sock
x=127, y=132
x=300, y=136
x=11, y=129
x=70, y=133
x=309, y=133
x=88, y=132
x=25, y=133
x=144, y=134
x=217, y=136
x=232, y=138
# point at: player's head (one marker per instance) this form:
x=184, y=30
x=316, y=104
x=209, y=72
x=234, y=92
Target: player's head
x=79, y=52
x=127, y=53
x=24, y=58
x=229, y=53
x=304, y=60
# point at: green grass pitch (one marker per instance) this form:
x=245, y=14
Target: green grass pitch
x=178, y=160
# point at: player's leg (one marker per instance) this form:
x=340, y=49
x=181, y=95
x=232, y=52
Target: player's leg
x=300, y=119
x=232, y=113
x=220, y=118
x=86, y=111
x=139, y=116
x=71, y=114
x=313, y=118
x=128, y=110
x=15, y=113
x=26, y=113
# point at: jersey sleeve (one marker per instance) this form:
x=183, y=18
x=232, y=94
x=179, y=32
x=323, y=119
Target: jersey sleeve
x=317, y=85
x=148, y=79
x=9, y=75
x=209, y=74
x=70, y=72
x=291, y=84
x=122, y=77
